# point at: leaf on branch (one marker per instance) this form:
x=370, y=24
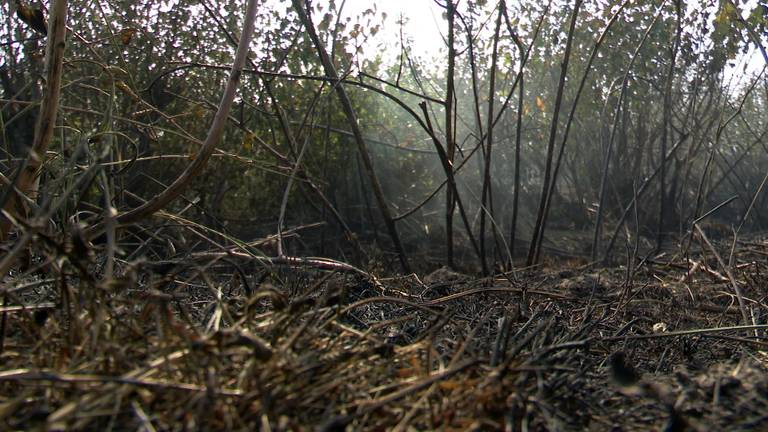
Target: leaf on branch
x=126, y=35
x=248, y=142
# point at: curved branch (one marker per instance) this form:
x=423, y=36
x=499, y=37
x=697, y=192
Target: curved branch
x=214, y=134
x=28, y=174
x=349, y=113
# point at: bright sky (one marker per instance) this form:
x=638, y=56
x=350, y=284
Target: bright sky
x=425, y=27
x=424, y=22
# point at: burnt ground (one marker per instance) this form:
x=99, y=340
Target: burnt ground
x=220, y=342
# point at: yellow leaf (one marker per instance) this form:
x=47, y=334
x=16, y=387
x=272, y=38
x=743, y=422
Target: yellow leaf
x=198, y=112
x=540, y=103
x=726, y=13
x=248, y=142
x=127, y=90
x=450, y=385
x=126, y=35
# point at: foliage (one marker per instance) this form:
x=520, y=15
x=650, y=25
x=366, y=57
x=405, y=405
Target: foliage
x=143, y=78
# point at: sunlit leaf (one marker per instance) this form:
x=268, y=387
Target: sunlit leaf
x=126, y=35
x=248, y=142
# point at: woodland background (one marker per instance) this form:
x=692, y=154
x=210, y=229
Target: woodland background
x=227, y=215
x=617, y=123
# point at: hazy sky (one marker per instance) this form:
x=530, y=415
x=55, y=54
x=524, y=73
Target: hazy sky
x=425, y=26
x=424, y=22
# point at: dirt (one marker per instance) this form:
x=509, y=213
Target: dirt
x=236, y=345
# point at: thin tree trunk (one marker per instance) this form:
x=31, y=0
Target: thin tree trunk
x=609, y=152
x=519, y=127
x=450, y=179
x=665, y=125
x=479, y=129
x=486, y=193
x=28, y=174
x=551, y=193
x=284, y=125
x=450, y=143
x=538, y=227
x=518, y=155
x=349, y=112
x=214, y=133
x=637, y=196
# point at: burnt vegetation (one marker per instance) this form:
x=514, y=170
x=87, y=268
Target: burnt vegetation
x=281, y=215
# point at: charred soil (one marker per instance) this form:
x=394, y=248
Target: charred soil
x=228, y=342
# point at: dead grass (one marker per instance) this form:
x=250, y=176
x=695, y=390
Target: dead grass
x=227, y=342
